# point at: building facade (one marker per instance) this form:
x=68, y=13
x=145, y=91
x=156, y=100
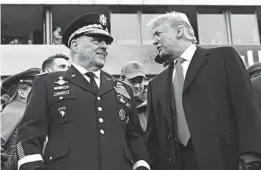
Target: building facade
x=27, y=28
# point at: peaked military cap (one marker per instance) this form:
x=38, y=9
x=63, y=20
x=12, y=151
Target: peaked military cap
x=24, y=77
x=253, y=68
x=88, y=24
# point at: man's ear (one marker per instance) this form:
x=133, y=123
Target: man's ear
x=179, y=32
x=21, y=93
x=74, y=46
x=47, y=70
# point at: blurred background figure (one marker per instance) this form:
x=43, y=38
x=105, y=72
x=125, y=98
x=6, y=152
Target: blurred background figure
x=4, y=99
x=30, y=42
x=254, y=70
x=57, y=62
x=132, y=73
x=17, y=87
x=57, y=37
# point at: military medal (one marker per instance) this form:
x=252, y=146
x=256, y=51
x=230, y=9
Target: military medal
x=122, y=114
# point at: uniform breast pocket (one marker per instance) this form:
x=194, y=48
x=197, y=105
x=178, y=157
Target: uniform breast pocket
x=61, y=108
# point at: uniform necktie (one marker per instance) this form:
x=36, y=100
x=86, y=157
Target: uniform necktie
x=178, y=82
x=93, y=84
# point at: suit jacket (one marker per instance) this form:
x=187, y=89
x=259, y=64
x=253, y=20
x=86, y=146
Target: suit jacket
x=222, y=115
x=256, y=82
x=85, y=130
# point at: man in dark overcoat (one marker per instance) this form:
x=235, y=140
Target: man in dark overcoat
x=256, y=82
x=202, y=114
x=89, y=117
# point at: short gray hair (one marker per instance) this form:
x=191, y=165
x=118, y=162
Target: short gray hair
x=175, y=19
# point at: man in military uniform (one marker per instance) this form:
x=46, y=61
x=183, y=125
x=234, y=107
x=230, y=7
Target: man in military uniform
x=17, y=88
x=132, y=73
x=89, y=117
x=57, y=62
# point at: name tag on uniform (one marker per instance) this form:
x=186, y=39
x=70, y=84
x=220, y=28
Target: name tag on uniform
x=61, y=93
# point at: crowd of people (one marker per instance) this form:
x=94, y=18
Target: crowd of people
x=202, y=112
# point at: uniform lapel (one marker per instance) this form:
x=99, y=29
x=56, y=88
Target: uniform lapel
x=106, y=83
x=75, y=77
x=198, y=60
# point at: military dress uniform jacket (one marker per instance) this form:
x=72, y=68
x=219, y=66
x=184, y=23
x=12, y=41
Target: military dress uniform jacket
x=85, y=130
x=222, y=115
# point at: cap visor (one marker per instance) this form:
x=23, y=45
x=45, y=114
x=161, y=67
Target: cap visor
x=100, y=32
x=133, y=75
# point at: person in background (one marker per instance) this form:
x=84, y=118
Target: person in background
x=18, y=87
x=89, y=117
x=254, y=70
x=57, y=38
x=4, y=99
x=132, y=73
x=57, y=62
x=202, y=112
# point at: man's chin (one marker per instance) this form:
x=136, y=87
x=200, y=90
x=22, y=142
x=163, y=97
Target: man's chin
x=164, y=57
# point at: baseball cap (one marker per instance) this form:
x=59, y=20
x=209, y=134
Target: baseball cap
x=132, y=69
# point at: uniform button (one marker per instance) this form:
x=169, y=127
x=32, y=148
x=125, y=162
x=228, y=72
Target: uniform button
x=169, y=136
x=50, y=158
x=101, y=120
x=61, y=97
x=98, y=98
x=170, y=160
x=102, y=131
x=100, y=109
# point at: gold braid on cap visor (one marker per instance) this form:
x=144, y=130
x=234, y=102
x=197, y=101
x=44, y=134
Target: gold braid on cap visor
x=88, y=28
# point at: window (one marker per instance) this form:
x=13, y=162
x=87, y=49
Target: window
x=212, y=27
x=246, y=20
x=63, y=15
x=17, y=28
x=145, y=32
x=125, y=25
x=125, y=28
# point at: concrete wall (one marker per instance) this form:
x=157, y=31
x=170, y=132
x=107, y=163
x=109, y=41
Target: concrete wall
x=16, y=58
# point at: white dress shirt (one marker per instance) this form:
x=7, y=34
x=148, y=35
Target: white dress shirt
x=187, y=55
x=83, y=71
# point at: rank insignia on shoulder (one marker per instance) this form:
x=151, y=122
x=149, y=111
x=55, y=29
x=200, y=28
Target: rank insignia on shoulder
x=61, y=81
x=120, y=89
x=62, y=110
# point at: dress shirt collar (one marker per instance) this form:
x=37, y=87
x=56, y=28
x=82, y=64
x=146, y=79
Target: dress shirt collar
x=83, y=71
x=188, y=53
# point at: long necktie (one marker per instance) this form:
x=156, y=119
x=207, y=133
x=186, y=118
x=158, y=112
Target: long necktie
x=93, y=84
x=178, y=82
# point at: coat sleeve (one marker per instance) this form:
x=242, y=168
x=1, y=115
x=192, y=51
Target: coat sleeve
x=243, y=103
x=152, y=133
x=33, y=127
x=136, y=139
